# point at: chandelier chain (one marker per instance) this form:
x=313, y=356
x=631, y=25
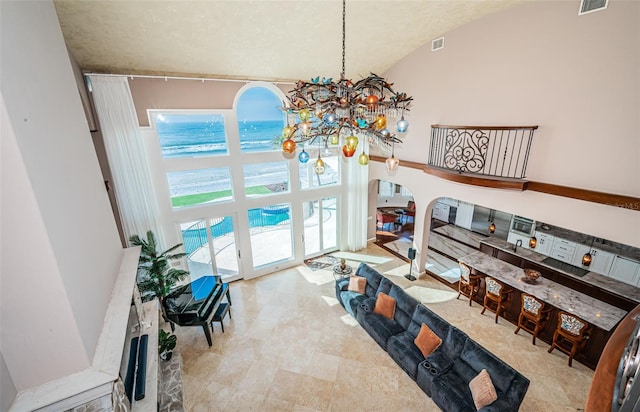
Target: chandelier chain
x=344, y=18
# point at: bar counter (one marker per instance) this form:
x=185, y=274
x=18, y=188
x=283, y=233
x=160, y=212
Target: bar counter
x=596, y=312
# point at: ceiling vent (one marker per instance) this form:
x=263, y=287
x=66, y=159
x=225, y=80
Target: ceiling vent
x=437, y=44
x=588, y=6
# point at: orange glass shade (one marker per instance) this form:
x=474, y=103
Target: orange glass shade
x=288, y=146
x=533, y=242
x=348, y=151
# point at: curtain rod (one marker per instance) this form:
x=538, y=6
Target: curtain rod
x=167, y=78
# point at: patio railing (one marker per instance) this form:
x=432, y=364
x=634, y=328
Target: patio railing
x=483, y=150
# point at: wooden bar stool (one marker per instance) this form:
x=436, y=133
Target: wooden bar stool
x=496, y=294
x=468, y=284
x=533, y=315
x=571, y=334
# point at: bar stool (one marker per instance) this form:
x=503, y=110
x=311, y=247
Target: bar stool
x=468, y=284
x=533, y=315
x=497, y=294
x=571, y=330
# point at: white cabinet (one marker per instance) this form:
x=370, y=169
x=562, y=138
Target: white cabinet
x=578, y=253
x=464, y=215
x=544, y=244
x=601, y=261
x=625, y=270
x=514, y=237
x=441, y=211
x=563, y=250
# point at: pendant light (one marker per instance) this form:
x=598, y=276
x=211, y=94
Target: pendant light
x=533, y=242
x=587, y=258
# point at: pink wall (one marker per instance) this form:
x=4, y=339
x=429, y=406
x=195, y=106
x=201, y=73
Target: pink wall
x=152, y=93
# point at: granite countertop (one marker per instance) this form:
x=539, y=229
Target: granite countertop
x=594, y=311
x=461, y=235
x=592, y=278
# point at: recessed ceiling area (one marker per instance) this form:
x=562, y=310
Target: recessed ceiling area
x=256, y=40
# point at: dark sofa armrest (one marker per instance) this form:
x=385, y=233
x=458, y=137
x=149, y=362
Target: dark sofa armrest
x=342, y=284
x=437, y=363
x=500, y=405
x=368, y=304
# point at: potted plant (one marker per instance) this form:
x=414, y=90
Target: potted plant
x=157, y=277
x=166, y=344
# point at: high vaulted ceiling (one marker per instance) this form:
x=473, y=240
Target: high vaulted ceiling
x=256, y=40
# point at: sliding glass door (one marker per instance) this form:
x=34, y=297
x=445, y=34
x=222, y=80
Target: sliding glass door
x=320, y=217
x=211, y=247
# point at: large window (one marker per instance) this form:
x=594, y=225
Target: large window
x=194, y=187
x=191, y=135
x=260, y=121
x=240, y=207
x=266, y=178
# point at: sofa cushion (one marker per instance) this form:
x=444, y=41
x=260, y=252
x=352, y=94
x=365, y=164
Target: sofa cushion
x=380, y=328
x=454, y=342
x=372, y=276
x=479, y=358
x=405, y=306
x=426, y=341
x=402, y=350
x=421, y=315
x=357, y=284
x=385, y=305
x=451, y=393
x=384, y=286
x=482, y=390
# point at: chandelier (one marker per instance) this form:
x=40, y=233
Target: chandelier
x=325, y=114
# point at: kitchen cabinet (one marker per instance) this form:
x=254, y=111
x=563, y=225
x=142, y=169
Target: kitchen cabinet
x=625, y=270
x=441, y=211
x=545, y=243
x=600, y=260
x=464, y=215
x=563, y=250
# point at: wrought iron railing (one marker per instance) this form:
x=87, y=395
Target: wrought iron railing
x=484, y=150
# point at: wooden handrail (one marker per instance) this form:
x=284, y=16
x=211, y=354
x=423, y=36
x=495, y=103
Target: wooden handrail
x=609, y=199
x=444, y=126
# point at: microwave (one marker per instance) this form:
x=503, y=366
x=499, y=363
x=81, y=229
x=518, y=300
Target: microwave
x=522, y=226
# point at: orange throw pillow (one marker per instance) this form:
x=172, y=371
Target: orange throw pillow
x=427, y=341
x=385, y=305
x=482, y=390
x=357, y=284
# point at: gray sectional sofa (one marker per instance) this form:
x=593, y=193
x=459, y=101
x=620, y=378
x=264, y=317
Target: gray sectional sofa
x=445, y=374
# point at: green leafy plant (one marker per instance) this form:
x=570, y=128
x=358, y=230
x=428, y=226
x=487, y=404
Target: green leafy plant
x=166, y=344
x=157, y=277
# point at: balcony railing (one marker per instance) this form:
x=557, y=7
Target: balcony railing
x=482, y=150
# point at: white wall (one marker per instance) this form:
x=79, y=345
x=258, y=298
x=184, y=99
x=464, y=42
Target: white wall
x=60, y=248
x=538, y=63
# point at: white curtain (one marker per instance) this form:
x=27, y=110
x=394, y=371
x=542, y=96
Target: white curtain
x=126, y=155
x=355, y=206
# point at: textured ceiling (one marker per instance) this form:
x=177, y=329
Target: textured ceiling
x=257, y=40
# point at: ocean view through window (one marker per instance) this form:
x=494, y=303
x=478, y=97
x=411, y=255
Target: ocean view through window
x=226, y=189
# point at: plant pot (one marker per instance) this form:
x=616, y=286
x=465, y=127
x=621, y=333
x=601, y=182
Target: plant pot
x=166, y=356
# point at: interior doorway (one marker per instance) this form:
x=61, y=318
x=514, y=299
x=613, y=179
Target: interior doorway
x=395, y=218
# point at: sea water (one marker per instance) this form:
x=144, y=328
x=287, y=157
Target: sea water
x=208, y=137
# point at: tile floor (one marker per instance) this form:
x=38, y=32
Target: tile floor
x=290, y=346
